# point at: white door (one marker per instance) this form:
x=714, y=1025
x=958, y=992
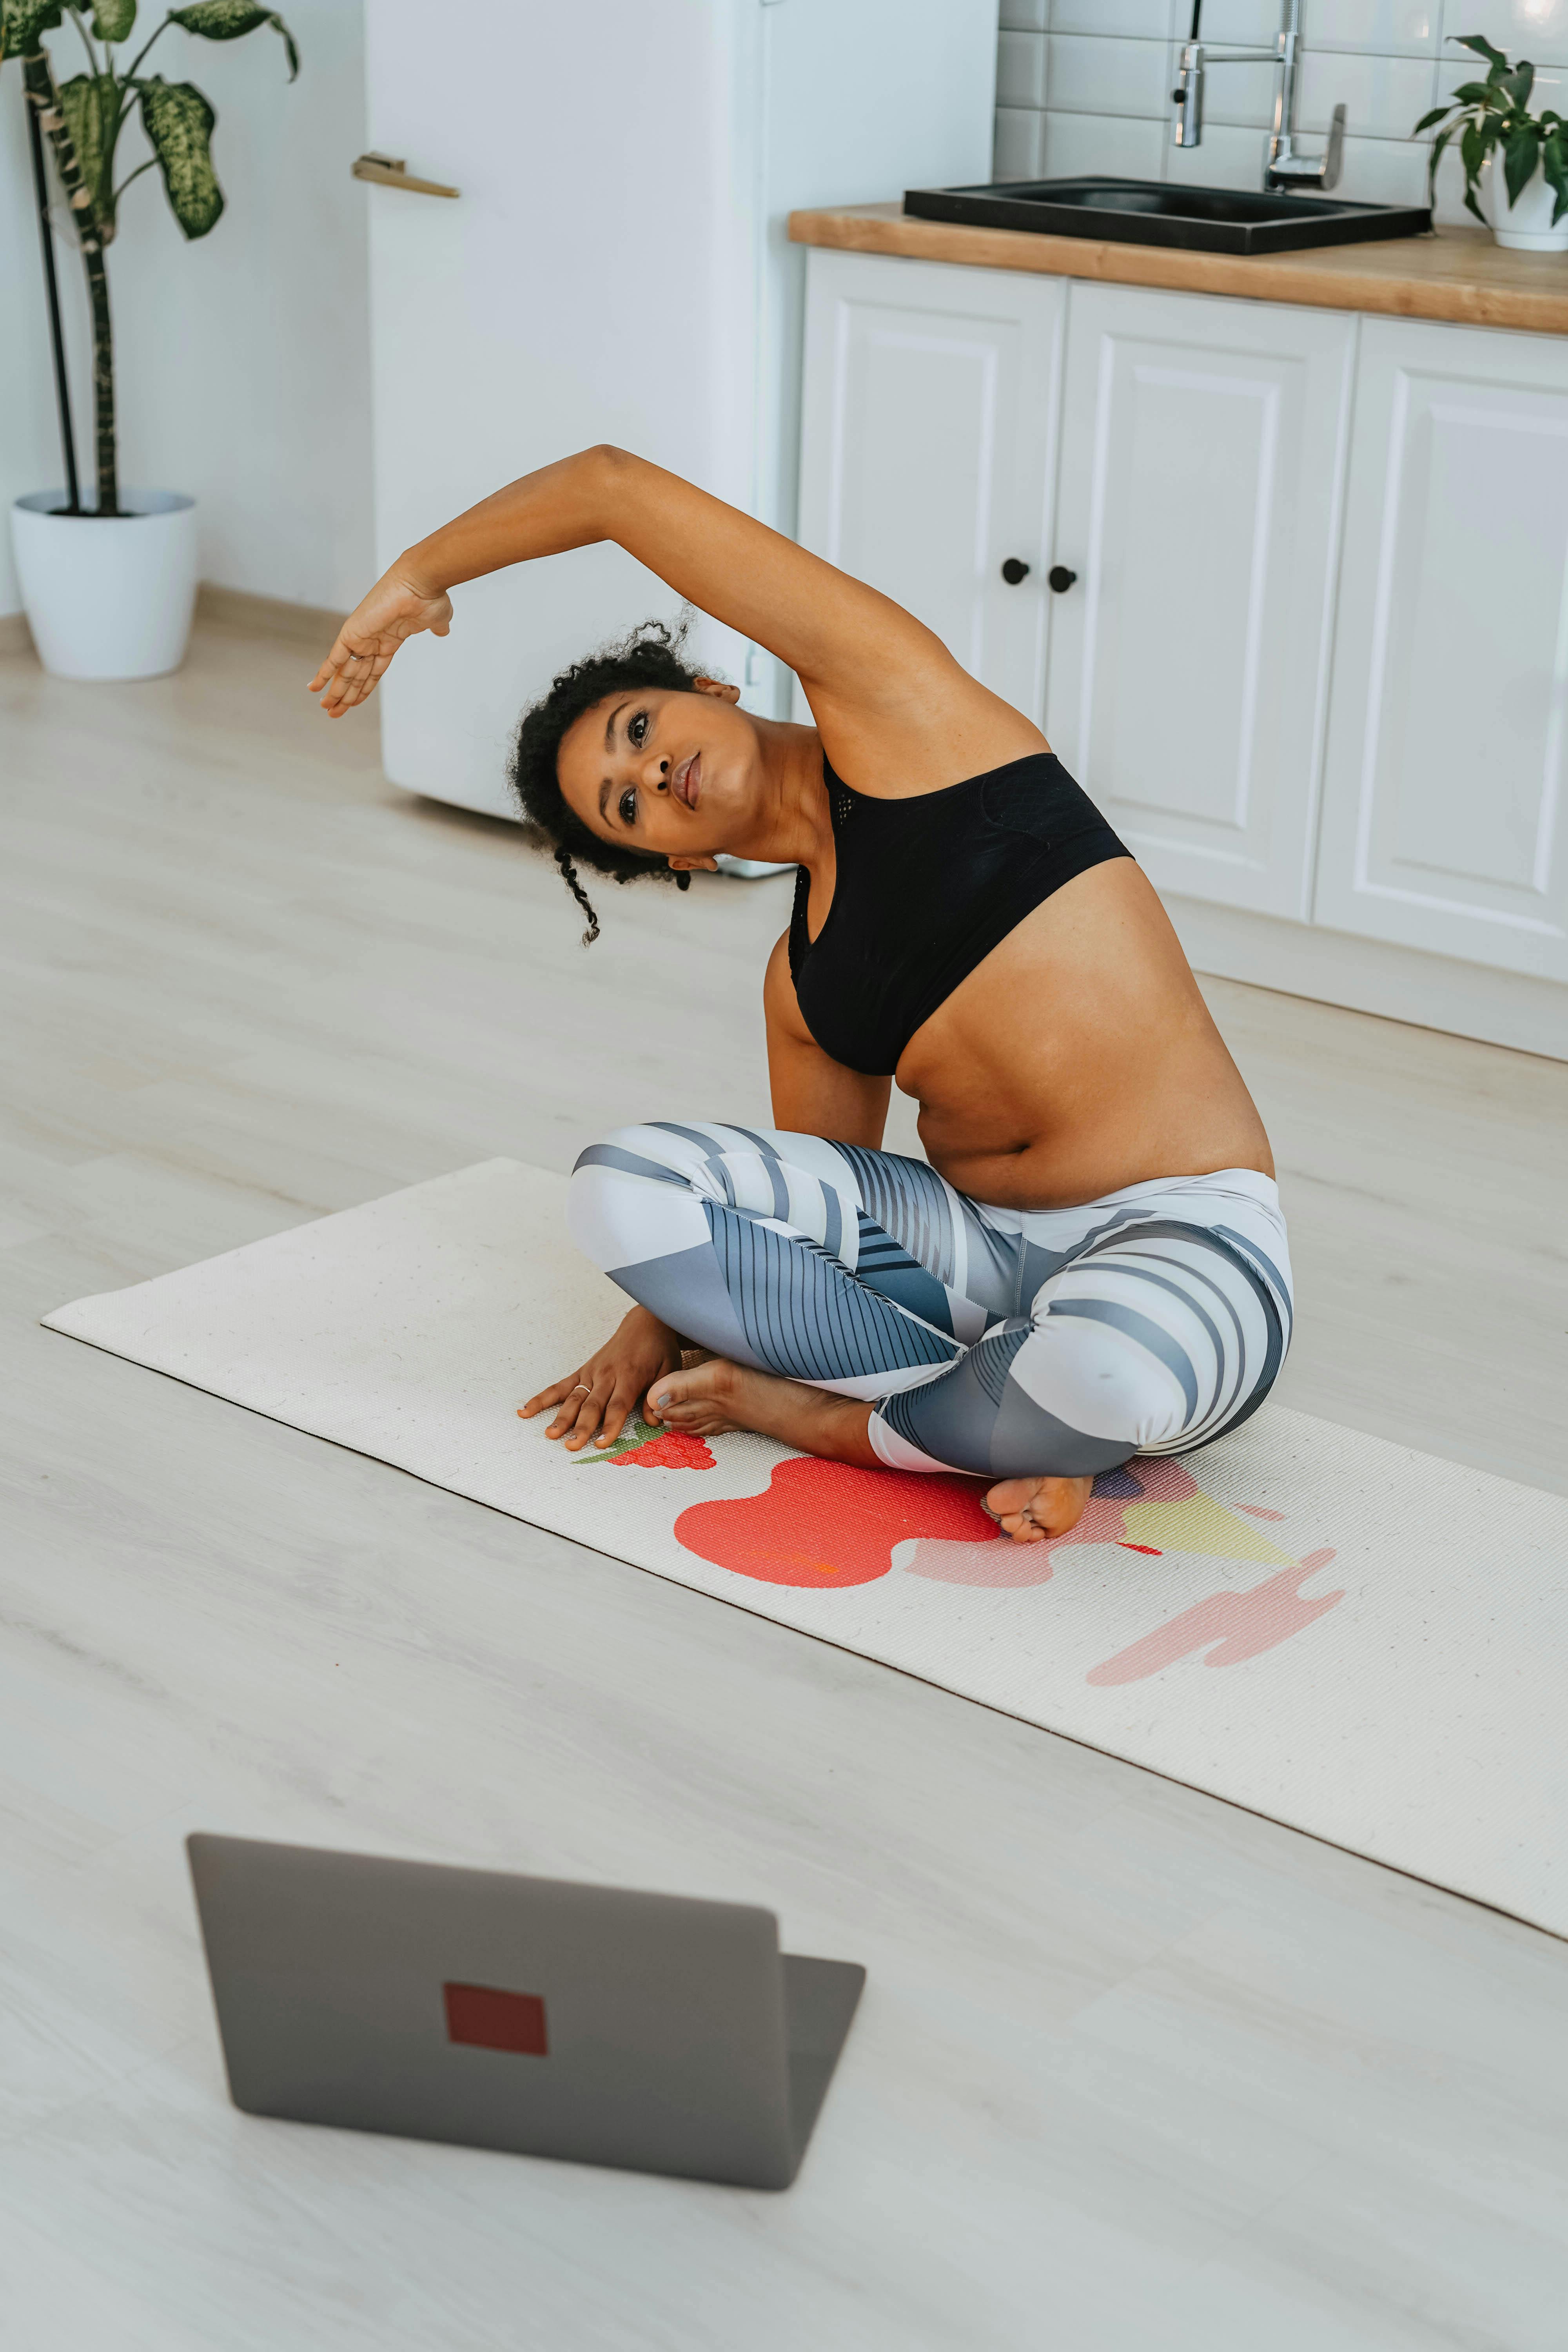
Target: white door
x=1202, y=447
x=1443, y=825
x=927, y=448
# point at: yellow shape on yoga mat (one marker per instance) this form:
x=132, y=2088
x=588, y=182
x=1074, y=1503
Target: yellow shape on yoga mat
x=1198, y=1523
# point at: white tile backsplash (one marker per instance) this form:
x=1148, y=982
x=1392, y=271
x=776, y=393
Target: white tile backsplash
x=1233, y=24
x=1385, y=171
x=1138, y=20
x=1382, y=97
x=1020, y=142
x=1525, y=28
x=1389, y=28
x=1084, y=86
x=1091, y=74
x=1021, y=69
x=1125, y=146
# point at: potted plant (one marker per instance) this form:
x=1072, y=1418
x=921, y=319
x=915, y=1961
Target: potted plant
x=1491, y=119
x=108, y=589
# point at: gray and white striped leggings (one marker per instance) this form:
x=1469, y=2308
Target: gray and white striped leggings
x=1008, y=1342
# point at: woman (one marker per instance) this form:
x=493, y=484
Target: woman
x=1093, y=1264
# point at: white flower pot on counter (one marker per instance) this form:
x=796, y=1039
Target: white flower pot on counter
x=111, y=596
x=1526, y=225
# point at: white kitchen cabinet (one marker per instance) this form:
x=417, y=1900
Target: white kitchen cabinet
x=1202, y=448
x=1443, y=826
x=928, y=451
x=1201, y=454
x=1313, y=659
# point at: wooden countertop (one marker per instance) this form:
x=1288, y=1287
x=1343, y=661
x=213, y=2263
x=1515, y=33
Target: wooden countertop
x=1457, y=274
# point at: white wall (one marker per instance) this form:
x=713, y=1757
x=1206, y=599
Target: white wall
x=1084, y=86
x=243, y=357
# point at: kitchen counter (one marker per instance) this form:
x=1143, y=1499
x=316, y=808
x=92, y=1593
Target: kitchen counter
x=1455, y=273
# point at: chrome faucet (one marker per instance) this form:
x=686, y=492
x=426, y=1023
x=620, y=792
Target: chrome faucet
x=1286, y=167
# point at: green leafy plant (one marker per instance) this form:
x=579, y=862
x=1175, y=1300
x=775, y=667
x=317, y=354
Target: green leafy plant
x=1493, y=117
x=83, y=119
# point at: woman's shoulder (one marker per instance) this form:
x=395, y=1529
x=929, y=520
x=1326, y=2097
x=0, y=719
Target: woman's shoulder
x=911, y=751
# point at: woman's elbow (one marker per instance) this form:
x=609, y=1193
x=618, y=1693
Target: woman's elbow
x=609, y=463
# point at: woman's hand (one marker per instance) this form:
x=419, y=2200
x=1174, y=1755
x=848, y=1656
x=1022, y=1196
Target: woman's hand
x=600, y=1394
x=398, y=607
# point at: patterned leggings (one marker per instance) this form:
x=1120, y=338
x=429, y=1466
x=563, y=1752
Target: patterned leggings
x=1003, y=1342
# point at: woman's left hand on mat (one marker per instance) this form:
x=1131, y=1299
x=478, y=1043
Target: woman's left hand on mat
x=597, y=1399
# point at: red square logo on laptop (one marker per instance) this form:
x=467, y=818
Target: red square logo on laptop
x=488, y=2018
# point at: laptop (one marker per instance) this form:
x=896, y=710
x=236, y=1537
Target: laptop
x=651, y=2031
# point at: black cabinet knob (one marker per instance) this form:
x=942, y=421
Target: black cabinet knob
x=1060, y=578
x=1013, y=571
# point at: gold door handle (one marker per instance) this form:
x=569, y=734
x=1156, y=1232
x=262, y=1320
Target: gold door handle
x=391, y=172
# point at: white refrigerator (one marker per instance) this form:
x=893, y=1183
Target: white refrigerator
x=614, y=267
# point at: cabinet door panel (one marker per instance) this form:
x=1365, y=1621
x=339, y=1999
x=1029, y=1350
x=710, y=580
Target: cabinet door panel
x=1202, y=453
x=926, y=448
x=1442, y=820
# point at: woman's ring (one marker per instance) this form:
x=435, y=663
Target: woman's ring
x=582, y=1389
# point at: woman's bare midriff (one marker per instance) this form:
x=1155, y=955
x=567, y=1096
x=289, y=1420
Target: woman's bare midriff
x=1080, y=1057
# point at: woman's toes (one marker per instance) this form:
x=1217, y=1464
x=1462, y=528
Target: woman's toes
x=1029, y=1509
x=699, y=1400
x=1009, y=1500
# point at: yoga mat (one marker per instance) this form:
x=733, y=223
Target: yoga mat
x=1361, y=1641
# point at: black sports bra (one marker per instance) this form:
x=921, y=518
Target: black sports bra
x=925, y=888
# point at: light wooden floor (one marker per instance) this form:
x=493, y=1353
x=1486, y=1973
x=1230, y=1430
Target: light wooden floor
x=1135, y=2071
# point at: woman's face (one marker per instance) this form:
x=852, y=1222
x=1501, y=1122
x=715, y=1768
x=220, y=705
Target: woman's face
x=671, y=775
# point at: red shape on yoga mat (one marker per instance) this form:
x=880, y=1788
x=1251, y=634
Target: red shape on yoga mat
x=488, y=2018
x=824, y=1525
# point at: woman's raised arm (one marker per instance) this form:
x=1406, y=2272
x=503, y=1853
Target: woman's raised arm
x=842, y=639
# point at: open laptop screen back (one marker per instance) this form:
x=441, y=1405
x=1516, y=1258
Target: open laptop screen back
x=522, y=2013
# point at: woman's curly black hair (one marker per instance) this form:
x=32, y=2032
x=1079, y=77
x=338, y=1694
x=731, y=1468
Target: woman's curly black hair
x=650, y=657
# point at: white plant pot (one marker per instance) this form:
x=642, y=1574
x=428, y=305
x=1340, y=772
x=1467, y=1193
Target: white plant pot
x=1525, y=226
x=108, y=597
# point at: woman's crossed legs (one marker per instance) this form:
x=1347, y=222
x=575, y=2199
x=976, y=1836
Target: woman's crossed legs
x=858, y=1306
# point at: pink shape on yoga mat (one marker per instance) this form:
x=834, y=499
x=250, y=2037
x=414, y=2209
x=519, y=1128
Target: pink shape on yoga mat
x=826, y=1524
x=1001, y=1562
x=1103, y=1522
x=1242, y=1625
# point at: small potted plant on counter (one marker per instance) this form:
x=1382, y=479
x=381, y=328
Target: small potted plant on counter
x=1493, y=121
x=108, y=589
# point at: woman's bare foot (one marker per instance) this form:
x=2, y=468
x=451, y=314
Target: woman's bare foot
x=709, y=1397
x=705, y=1399
x=1030, y=1510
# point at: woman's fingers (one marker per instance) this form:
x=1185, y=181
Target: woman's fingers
x=351, y=671
x=552, y=1395
x=569, y=1407
x=590, y=1412
x=599, y=1399
x=617, y=1412
x=579, y=1401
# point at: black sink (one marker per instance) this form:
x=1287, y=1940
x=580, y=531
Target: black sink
x=1151, y=212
